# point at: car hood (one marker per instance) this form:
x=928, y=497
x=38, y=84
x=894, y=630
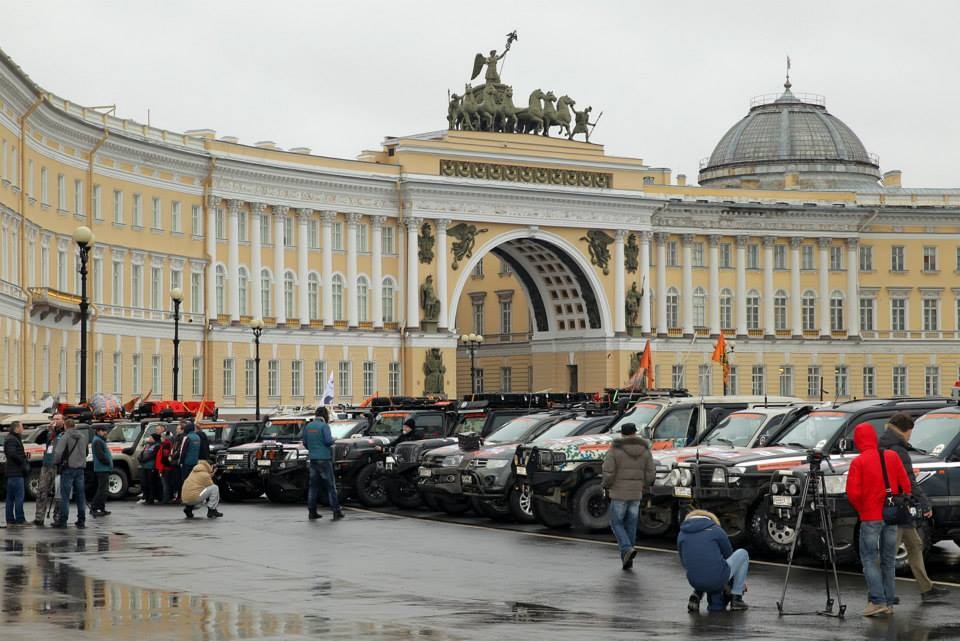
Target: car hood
x=499, y=451
x=758, y=459
x=680, y=454
x=364, y=440
x=580, y=448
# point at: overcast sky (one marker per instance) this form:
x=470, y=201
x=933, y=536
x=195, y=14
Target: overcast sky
x=670, y=77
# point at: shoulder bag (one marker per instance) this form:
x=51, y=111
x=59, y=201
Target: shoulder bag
x=898, y=509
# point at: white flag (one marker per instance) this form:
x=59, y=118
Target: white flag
x=328, y=392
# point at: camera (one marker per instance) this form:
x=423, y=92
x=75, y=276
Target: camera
x=815, y=457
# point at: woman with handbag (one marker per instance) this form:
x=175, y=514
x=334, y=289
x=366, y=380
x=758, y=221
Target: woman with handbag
x=878, y=489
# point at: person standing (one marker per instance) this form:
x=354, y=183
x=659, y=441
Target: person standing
x=102, y=468
x=165, y=468
x=896, y=438
x=48, y=475
x=199, y=489
x=189, y=452
x=628, y=469
x=17, y=472
x=148, y=471
x=318, y=440
x=70, y=455
x=867, y=493
x=713, y=566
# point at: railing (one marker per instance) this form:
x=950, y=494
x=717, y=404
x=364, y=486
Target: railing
x=502, y=339
x=784, y=333
x=141, y=313
x=51, y=295
x=838, y=333
x=675, y=331
x=755, y=333
x=811, y=333
x=806, y=98
x=701, y=331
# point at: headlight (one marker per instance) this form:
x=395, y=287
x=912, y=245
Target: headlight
x=718, y=476
x=452, y=461
x=835, y=484
x=672, y=478
x=3, y=457
x=494, y=463
x=686, y=477
x=734, y=474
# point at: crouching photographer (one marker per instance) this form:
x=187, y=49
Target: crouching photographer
x=712, y=565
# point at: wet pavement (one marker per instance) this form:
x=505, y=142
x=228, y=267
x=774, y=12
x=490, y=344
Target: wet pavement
x=265, y=572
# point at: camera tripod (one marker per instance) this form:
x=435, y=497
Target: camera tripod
x=813, y=494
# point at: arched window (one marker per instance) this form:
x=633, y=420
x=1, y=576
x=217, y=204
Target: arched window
x=289, y=283
x=753, y=309
x=780, y=310
x=699, y=307
x=265, y=298
x=726, y=309
x=673, y=305
x=242, y=285
x=313, y=295
x=836, y=310
x=363, y=299
x=808, y=310
x=221, y=288
x=387, y=293
x=337, y=294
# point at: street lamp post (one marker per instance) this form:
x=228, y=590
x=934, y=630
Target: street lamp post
x=177, y=295
x=472, y=342
x=257, y=326
x=84, y=239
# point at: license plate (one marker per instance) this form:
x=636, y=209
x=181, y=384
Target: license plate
x=391, y=460
x=782, y=501
x=388, y=465
x=264, y=463
x=235, y=457
x=683, y=492
x=466, y=479
x=521, y=470
x=425, y=471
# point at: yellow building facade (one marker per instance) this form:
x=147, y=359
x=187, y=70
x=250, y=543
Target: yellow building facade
x=828, y=278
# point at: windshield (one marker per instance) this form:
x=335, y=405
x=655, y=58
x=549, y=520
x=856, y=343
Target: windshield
x=282, y=430
x=515, y=430
x=934, y=432
x=388, y=424
x=737, y=429
x=215, y=434
x=342, y=429
x=641, y=415
x=470, y=423
x=124, y=433
x=568, y=427
x=813, y=430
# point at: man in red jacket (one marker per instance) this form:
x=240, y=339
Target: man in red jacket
x=867, y=493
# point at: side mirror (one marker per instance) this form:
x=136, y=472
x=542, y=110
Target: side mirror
x=844, y=445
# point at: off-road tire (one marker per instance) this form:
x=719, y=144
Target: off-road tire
x=521, y=506
x=404, y=494
x=550, y=514
x=370, y=488
x=497, y=510
x=647, y=526
x=454, y=505
x=118, y=485
x=768, y=535
x=588, y=508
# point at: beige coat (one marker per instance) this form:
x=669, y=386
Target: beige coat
x=628, y=468
x=200, y=479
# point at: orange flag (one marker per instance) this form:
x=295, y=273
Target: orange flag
x=719, y=350
x=367, y=401
x=646, y=363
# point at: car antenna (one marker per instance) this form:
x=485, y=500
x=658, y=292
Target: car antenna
x=764, y=400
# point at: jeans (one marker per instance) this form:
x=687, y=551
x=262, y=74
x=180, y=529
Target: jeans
x=910, y=537
x=878, y=542
x=71, y=481
x=46, y=494
x=15, y=494
x=739, y=563
x=146, y=485
x=321, y=473
x=209, y=496
x=623, y=521
x=99, y=501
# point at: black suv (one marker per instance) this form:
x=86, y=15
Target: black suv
x=223, y=435
x=237, y=470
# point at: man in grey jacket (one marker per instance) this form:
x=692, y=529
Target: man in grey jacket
x=627, y=470
x=71, y=456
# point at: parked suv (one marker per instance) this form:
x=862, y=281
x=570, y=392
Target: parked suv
x=238, y=468
x=223, y=435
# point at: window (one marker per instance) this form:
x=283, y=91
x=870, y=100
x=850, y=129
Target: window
x=732, y=385
x=931, y=315
x=228, y=378
x=699, y=307
x=786, y=380
x=176, y=282
x=931, y=380
x=44, y=266
x=250, y=377
x=898, y=314
x=116, y=284
x=958, y=259
x=757, y=382
x=313, y=296
x=673, y=308
x=296, y=379
x=197, y=376
x=137, y=210
x=156, y=288
x=289, y=309
x=288, y=238
x=176, y=225
x=672, y=260
x=929, y=258
x=814, y=380
x=506, y=379
x=836, y=258
x=363, y=245
x=866, y=314
x=725, y=261
x=264, y=229
x=806, y=257
x=703, y=379
x=313, y=234
x=369, y=378
x=117, y=207
x=393, y=379
x=61, y=192
x=117, y=372
x=753, y=256
x=897, y=258
x=338, y=236
x=136, y=285
x=840, y=386
x=506, y=317
x=779, y=256
x=698, y=255
x=780, y=310
x=387, y=240
x=78, y=197
x=387, y=292
x=31, y=194
x=97, y=277
x=344, y=382
x=478, y=269
x=156, y=375
x=726, y=309
x=869, y=381
x=220, y=224
x=337, y=291
x=899, y=380
x=273, y=378
x=363, y=300
x=319, y=378
x=157, y=222
x=753, y=309
x=478, y=377
x=265, y=298
x=866, y=258
x=243, y=287
x=676, y=376
x=196, y=221
x=135, y=373
x=221, y=280
x=44, y=186
x=836, y=311
x=478, y=317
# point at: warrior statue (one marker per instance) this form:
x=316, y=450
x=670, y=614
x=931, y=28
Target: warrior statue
x=429, y=302
x=582, y=119
x=631, y=253
x=425, y=243
x=633, y=306
x=433, y=371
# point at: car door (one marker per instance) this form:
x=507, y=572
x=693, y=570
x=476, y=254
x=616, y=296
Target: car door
x=430, y=425
x=674, y=428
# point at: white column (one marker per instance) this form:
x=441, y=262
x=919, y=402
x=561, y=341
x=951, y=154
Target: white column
x=796, y=298
x=233, y=260
x=687, y=280
x=256, y=258
x=619, y=288
x=714, y=303
x=741, y=293
x=824, y=306
x=645, y=281
x=303, y=269
x=853, y=294
x=661, y=239
x=412, y=292
x=769, y=323
x=279, y=215
x=326, y=219
x=376, y=269
x=442, y=270
x=351, y=289
x=211, y=301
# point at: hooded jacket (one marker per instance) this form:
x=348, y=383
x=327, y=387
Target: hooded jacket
x=200, y=479
x=865, y=487
x=628, y=468
x=71, y=449
x=704, y=548
x=190, y=447
x=17, y=463
x=318, y=440
x=893, y=440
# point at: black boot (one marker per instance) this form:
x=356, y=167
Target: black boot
x=313, y=515
x=737, y=603
x=213, y=514
x=338, y=515
x=188, y=510
x=693, y=605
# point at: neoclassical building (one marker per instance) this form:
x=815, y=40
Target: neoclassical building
x=829, y=277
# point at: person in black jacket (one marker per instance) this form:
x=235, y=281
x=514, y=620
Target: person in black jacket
x=896, y=438
x=408, y=433
x=17, y=471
